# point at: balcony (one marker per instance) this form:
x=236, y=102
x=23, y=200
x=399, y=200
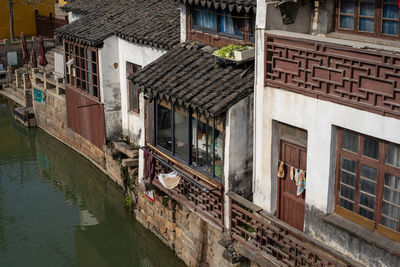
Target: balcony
x=360, y=75
x=278, y=243
x=195, y=191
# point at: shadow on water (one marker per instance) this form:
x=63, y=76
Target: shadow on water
x=65, y=212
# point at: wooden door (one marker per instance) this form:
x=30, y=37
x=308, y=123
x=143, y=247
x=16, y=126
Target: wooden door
x=291, y=207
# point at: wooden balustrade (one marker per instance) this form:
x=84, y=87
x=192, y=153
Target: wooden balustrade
x=194, y=190
x=367, y=79
x=254, y=227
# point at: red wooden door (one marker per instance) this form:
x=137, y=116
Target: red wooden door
x=291, y=207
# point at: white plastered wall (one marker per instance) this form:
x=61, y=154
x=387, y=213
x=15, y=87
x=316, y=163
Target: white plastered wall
x=133, y=125
x=110, y=86
x=318, y=118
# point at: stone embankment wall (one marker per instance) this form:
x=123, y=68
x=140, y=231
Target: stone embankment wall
x=52, y=117
x=194, y=240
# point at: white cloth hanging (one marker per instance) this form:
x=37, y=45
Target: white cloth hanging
x=169, y=180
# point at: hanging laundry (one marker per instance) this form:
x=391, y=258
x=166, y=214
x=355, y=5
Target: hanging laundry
x=301, y=184
x=150, y=165
x=150, y=195
x=169, y=180
x=296, y=175
x=281, y=171
x=291, y=173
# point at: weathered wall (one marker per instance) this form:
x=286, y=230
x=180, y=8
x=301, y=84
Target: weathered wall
x=319, y=119
x=238, y=168
x=110, y=92
x=194, y=241
x=301, y=13
x=52, y=118
x=133, y=123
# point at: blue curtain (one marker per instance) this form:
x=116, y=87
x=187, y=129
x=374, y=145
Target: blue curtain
x=226, y=23
x=205, y=19
x=390, y=11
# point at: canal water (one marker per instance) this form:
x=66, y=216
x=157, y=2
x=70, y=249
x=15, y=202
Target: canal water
x=56, y=209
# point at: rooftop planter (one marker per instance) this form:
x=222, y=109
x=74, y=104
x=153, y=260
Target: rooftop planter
x=234, y=54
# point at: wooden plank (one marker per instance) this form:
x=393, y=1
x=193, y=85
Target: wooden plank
x=243, y=201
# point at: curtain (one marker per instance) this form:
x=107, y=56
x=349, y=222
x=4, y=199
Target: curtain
x=226, y=23
x=205, y=19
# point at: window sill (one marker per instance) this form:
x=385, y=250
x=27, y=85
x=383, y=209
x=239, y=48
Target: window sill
x=364, y=39
x=363, y=233
x=217, y=35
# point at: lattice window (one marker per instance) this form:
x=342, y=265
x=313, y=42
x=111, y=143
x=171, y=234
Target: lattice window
x=368, y=182
x=82, y=68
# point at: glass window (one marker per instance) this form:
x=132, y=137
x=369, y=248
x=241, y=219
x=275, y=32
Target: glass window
x=181, y=131
x=350, y=141
x=219, y=21
x=391, y=202
x=365, y=12
x=84, y=70
x=204, y=149
x=393, y=155
x=359, y=178
x=164, y=130
x=204, y=18
x=132, y=89
x=390, y=17
x=371, y=147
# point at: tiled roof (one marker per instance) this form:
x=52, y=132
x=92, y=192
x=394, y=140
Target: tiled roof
x=83, y=7
x=150, y=22
x=231, y=5
x=188, y=73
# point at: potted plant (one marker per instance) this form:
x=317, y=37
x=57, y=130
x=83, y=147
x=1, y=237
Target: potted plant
x=235, y=52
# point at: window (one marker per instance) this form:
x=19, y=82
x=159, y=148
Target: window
x=196, y=140
x=368, y=182
x=373, y=17
x=133, y=92
x=222, y=22
x=82, y=73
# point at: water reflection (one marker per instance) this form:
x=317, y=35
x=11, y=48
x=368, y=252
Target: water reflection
x=56, y=209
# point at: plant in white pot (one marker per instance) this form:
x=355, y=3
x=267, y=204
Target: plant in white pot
x=235, y=52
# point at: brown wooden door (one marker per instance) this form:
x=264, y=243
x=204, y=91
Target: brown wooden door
x=291, y=207
x=85, y=116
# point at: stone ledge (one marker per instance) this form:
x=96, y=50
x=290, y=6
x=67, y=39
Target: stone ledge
x=363, y=233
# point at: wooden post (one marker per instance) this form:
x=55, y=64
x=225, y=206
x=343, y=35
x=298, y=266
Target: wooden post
x=34, y=72
x=58, y=81
x=16, y=78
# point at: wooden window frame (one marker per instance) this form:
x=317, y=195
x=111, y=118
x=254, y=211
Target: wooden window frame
x=246, y=36
x=382, y=168
x=132, y=69
x=74, y=80
x=171, y=152
x=378, y=18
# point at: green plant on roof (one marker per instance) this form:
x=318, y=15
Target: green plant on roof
x=227, y=51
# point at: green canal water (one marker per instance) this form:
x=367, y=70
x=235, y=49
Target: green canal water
x=56, y=209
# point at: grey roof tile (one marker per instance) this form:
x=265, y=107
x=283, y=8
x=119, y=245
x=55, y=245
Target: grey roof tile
x=150, y=22
x=190, y=75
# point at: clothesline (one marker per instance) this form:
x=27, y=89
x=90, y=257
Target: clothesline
x=290, y=166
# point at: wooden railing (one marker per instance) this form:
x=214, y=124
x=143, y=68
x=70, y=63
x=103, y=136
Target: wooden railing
x=194, y=190
x=283, y=244
x=364, y=78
